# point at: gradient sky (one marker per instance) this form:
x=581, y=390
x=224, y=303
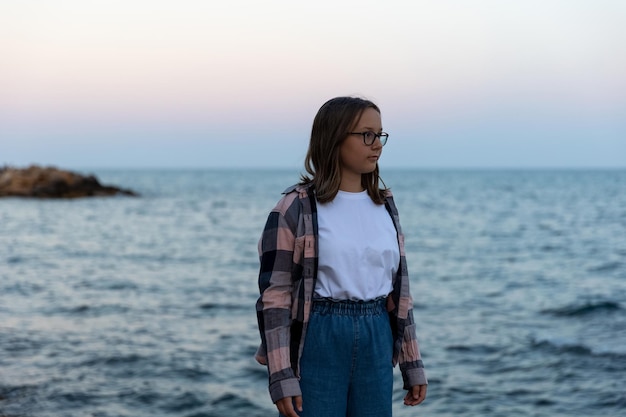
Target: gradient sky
x=187, y=84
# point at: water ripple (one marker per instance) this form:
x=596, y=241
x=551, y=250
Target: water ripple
x=145, y=307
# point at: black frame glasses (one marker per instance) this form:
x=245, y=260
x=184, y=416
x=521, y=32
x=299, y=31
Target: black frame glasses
x=369, y=137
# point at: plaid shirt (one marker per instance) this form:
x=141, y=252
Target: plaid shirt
x=288, y=255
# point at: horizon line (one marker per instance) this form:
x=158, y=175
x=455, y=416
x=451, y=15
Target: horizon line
x=292, y=168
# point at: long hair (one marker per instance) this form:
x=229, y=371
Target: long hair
x=331, y=126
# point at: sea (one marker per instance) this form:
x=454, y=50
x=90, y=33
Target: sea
x=145, y=306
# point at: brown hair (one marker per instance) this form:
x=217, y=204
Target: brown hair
x=334, y=120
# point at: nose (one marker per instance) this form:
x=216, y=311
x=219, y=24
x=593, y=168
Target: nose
x=377, y=143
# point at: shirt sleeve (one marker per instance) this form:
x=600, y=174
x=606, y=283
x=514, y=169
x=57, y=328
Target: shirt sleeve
x=410, y=359
x=406, y=346
x=276, y=251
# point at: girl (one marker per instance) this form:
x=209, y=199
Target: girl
x=335, y=310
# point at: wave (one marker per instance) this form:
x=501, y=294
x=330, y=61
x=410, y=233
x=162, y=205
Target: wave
x=231, y=401
x=15, y=259
x=114, y=360
x=477, y=349
x=183, y=402
x=87, y=310
x=607, y=267
x=18, y=400
x=564, y=345
x=210, y=306
x=584, y=309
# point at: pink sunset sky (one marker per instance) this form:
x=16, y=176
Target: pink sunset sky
x=192, y=84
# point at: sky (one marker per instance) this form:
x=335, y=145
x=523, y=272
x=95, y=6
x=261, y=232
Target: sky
x=202, y=83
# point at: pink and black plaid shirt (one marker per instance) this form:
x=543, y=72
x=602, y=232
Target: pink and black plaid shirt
x=288, y=255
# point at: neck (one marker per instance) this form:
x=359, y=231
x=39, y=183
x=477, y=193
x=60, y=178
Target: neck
x=351, y=183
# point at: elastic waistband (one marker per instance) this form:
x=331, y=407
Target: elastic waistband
x=350, y=307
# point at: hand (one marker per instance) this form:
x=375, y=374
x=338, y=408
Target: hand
x=285, y=406
x=415, y=395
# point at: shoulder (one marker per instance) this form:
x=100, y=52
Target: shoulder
x=300, y=189
x=390, y=203
x=291, y=189
x=292, y=196
x=389, y=198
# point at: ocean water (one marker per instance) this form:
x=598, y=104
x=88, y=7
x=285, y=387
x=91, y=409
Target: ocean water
x=145, y=306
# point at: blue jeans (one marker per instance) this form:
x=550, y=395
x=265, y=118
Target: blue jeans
x=346, y=365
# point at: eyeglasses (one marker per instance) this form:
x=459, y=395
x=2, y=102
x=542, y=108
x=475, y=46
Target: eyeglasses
x=369, y=137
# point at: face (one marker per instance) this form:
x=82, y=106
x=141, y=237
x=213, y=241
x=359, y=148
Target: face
x=356, y=157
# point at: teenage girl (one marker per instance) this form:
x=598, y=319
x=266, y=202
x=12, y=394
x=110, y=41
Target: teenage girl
x=335, y=311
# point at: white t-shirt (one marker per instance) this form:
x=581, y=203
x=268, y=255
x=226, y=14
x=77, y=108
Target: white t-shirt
x=358, y=248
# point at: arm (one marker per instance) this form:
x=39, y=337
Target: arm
x=400, y=306
x=409, y=356
x=276, y=249
x=412, y=366
x=410, y=359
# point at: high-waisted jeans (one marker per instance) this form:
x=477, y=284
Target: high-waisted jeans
x=346, y=365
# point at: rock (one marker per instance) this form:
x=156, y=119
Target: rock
x=50, y=182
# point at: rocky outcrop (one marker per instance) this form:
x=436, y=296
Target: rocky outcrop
x=50, y=182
